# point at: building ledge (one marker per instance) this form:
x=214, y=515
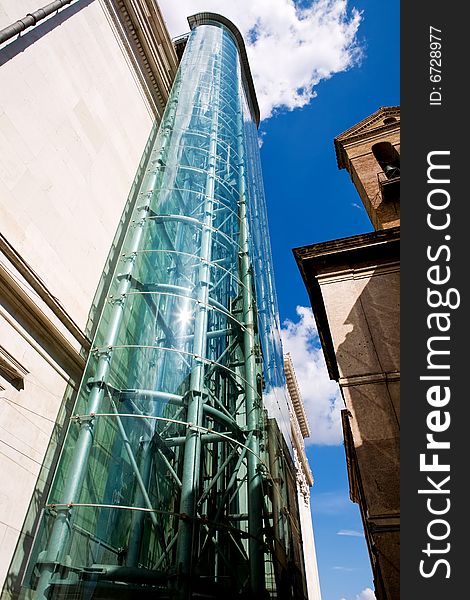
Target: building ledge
x=145, y=38
x=365, y=250
x=37, y=324
x=294, y=393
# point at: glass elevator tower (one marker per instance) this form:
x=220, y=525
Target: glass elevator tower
x=174, y=480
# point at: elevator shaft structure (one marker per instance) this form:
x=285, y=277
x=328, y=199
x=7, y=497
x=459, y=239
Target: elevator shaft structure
x=163, y=487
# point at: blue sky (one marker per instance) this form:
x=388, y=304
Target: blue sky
x=310, y=200
x=311, y=61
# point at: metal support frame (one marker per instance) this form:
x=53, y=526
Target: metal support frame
x=192, y=447
x=186, y=423
x=253, y=401
x=60, y=534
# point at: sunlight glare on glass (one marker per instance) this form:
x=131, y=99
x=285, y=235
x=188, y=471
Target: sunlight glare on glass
x=184, y=316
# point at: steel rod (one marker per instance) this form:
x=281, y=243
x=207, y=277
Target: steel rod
x=192, y=448
x=255, y=497
x=135, y=468
x=60, y=533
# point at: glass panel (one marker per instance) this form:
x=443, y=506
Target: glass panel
x=164, y=483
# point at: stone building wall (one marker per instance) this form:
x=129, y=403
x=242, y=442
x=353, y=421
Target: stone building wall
x=74, y=122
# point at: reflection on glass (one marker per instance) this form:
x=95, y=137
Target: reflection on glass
x=164, y=485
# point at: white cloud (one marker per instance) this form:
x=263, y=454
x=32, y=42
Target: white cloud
x=330, y=503
x=321, y=396
x=350, y=533
x=366, y=594
x=290, y=49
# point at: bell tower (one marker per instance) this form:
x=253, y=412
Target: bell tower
x=370, y=152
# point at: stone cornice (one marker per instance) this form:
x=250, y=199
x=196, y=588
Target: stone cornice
x=145, y=38
x=364, y=130
x=303, y=478
x=294, y=393
x=317, y=260
x=363, y=248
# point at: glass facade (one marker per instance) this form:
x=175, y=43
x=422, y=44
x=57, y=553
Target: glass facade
x=165, y=484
